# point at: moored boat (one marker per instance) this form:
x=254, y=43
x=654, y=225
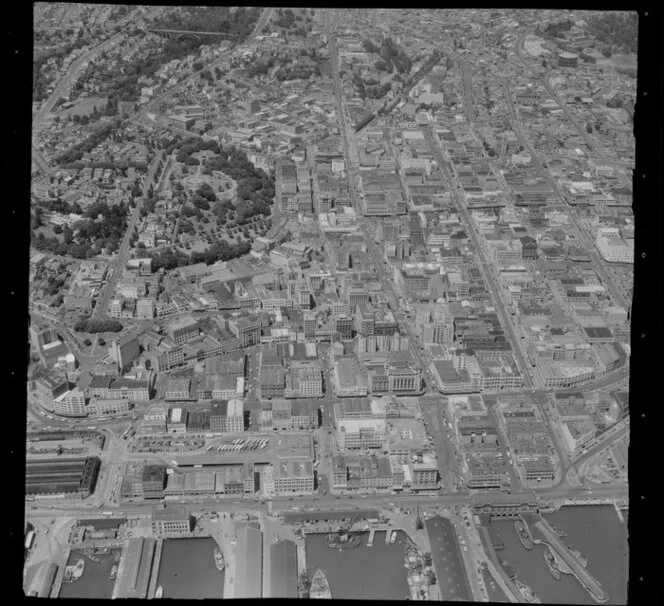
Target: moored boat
x=159, y=593
x=78, y=569
x=551, y=563
x=526, y=592
x=524, y=535
x=219, y=559
x=320, y=588
x=342, y=540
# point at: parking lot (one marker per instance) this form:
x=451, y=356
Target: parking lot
x=239, y=444
x=165, y=444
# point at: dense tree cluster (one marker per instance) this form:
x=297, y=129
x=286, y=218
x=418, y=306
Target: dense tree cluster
x=96, y=326
x=285, y=18
x=617, y=29
x=370, y=89
x=299, y=72
x=255, y=188
x=91, y=233
x=185, y=151
x=211, y=19
x=77, y=151
x=122, y=84
x=40, y=81
x=391, y=54
x=260, y=68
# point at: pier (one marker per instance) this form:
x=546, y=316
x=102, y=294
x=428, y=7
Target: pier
x=500, y=575
x=155, y=568
x=585, y=578
x=58, y=580
x=301, y=557
x=620, y=515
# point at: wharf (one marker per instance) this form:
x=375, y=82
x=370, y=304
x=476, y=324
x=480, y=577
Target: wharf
x=152, y=588
x=585, y=578
x=301, y=557
x=620, y=515
x=501, y=576
x=121, y=568
x=59, y=576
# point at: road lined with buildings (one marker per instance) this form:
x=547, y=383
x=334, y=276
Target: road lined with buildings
x=589, y=245
x=482, y=263
x=122, y=255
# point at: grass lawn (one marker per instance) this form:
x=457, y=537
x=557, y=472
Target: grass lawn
x=84, y=107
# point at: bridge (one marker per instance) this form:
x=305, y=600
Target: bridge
x=179, y=33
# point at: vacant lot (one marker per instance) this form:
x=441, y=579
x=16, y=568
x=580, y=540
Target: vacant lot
x=85, y=107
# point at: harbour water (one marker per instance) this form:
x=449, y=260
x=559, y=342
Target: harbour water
x=187, y=569
x=595, y=531
x=373, y=573
x=601, y=537
x=95, y=582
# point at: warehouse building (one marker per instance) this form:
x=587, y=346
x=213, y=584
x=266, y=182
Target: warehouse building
x=75, y=477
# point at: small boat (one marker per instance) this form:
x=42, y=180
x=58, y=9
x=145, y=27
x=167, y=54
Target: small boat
x=320, y=588
x=342, y=540
x=551, y=563
x=114, y=572
x=526, y=592
x=219, y=559
x=394, y=536
x=524, y=535
x=159, y=593
x=78, y=569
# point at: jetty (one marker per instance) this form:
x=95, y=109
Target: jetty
x=502, y=578
x=620, y=515
x=152, y=588
x=585, y=578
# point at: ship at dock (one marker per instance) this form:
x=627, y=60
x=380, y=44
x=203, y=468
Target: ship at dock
x=342, y=540
x=526, y=592
x=320, y=588
x=159, y=593
x=74, y=572
x=524, y=535
x=551, y=563
x=219, y=559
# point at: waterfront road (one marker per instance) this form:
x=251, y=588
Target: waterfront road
x=59, y=508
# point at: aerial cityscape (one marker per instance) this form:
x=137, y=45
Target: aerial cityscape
x=330, y=303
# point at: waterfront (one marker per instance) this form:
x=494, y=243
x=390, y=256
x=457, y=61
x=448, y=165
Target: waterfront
x=95, y=582
x=187, y=569
x=376, y=573
x=602, y=538
x=594, y=531
x=496, y=594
